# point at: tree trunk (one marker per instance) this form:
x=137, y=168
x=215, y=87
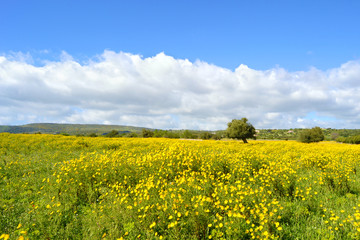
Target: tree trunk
x=244, y=140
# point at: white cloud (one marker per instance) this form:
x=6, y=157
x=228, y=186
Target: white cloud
x=164, y=92
x=20, y=57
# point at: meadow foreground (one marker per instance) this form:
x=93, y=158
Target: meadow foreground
x=65, y=187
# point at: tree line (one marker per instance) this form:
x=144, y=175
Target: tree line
x=242, y=129
x=176, y=134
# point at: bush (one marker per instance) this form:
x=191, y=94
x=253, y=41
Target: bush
x=311, y=135
x=217, y=136
x=146, y=133
x=205, y=135
x=171, y=134
x=334, y=135
x=159, y=133
x=188, y=135
x=131, y=135
x=112, y=134
x=351, y=139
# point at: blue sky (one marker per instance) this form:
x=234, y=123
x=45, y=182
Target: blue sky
x=261, y=34
x=288, y=39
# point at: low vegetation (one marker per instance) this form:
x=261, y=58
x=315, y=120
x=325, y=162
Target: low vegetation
x=311, y=135
x=67, y=187
x=94, y=130
x=350, y=139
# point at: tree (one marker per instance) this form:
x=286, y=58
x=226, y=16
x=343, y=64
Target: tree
x=334, y=135
x=131, y=135
x=159, y=133
x=205, y=135
x=218, y=135
x=92, y=135
x=112, y=134
x=311, y=135
x=146, y=133
x=171, y=134
x=240, y=129
x=188, y=134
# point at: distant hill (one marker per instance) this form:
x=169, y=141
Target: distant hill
x=72, y=129
x=99, y=129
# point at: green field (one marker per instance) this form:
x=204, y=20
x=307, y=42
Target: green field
x=67, y=187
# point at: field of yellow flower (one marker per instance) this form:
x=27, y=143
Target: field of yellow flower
x=66, y=187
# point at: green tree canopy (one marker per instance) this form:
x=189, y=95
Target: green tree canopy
x=205, y=135
x=311, y=135
x=113, y=133
x=147, y=133
x=240, y=129
x=188, y=134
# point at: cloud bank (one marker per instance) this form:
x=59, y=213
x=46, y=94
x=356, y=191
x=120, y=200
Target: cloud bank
x=168, y=93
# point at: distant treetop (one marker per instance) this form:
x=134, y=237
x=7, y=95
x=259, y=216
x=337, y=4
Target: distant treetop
x=240, y=129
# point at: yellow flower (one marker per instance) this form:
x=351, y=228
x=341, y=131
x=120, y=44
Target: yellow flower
x=152, y=225
x=5, y=236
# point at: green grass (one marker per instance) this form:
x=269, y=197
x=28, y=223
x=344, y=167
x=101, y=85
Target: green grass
x=58, y=187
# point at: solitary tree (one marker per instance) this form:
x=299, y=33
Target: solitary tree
x=240, y=129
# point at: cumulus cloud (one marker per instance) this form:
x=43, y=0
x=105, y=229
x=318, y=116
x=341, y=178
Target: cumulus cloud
x=164, y=92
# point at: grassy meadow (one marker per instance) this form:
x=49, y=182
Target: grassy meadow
x=67, y=187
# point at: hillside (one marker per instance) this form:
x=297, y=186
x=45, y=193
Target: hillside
x=72, y=129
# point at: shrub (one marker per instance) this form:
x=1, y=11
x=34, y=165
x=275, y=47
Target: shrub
x=159, y=133
x=92, y=135
x=351, y=139
x=146, y=133
x=206, y=135
x=311, y=135
x=112, y=134
x=131, y=135
x=188, y=135
x=217, y=136
x=171, y=134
